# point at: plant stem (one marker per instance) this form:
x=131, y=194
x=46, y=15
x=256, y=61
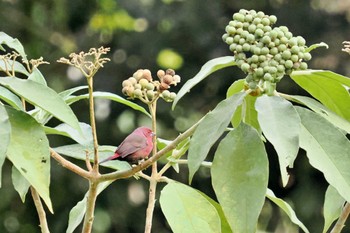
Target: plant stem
x=90, y=207
x=342, y=218
x=92, y=121
x=40, y=209
x=154, y=175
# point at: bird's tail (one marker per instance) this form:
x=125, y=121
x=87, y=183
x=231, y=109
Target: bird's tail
x=115, y=156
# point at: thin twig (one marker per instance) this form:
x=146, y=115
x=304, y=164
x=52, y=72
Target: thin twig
x=342, y=218
x=40, y=209
x=69, y=165
x=92, y=122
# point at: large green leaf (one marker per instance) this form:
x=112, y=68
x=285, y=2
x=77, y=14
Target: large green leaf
x=13, y=43
x=37, y=76
x=111, y=96
x=5, y=133
x=186, y=210
x=332, y=208
x=42, y=96
x=286, y=208
x=29, y=152
x=328, y=88
x=207, y=69
x=322, y=111
x=327, y=148
x=240, y=176
x=20, y=183
x=210, y=129
x=280, y=123
x=10, y=98
x=63, y=129
x=76, y=215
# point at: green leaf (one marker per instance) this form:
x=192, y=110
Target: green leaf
x=29, y=152
x=327, y=148
x=186, y=210
x=63, y=129
x=322, y=111
x=76, y=215
x=13, y=65
x=37, y=76
x=240, y=176
x=111, y=96
x=66, y=93
x=286, y=208
x=210, y=129
x=10, y=98
x=20, y=183
x=13, y=44
x=280, y=123
x=5, y=134
x=207, y=69
x=328, y=88
x=225, y=227
x=78, y=151
x=42, y=96
x=332, y=208
x=315, y=46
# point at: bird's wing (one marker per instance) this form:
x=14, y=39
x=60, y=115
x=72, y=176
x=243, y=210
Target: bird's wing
x=131, y=144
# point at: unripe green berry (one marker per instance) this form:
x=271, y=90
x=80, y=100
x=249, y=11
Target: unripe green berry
x=252, y=28
x=273, y=19
x=259, y=32
x=268, y=77
x=283, y=40
x=273, y=51
x=166, y=94
x=294, y=58
x=303, y=66
x=149, y=86
x=259, y=72
x=301, y=41
x=266, y=39
x=246, y=47
x=143, y=82
x=138, y=86
x=250, y=38
x=280, y=68
x=239, y=17
x=265, y=51
x=231, y=30
x=255, y=58
x=307, y=56
x=260, y=14
x=272, y=70
x=252, y=85
x=249, y=78
x=245, y=67
x=295, y=49
x=289, y=35
x=292, y=41
x=288, y=64
x=229, y=40
x=286, y=54
x=262, y=58
x=137, y=93
x=150, y=94
x=256, y=21
x=265, y=21
x=282, y=47
x=225, y=36
x=248, y=18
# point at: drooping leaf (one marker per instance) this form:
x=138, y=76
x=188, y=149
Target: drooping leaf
x=210, y=129
x=37, y=76
x=20, y=183
x=286, y=208
x=332, y=208
x=327, y=87
x=76, y=215
x=186, y=210
x=78, y=151
x=327, y=148
x=323, y=111
x=5, y=134
x=66, y=93
x=29, y=152
x=110, y=96
x=240, y=176
x=63, y=129
x=280, y=123
x=42, y=96
x=12, y=43
x=10, y=98
x=207, y=69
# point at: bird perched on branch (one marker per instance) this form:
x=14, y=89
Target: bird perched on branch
x=136, y=146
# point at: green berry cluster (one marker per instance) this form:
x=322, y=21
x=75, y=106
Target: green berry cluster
x=265, y=53
x=142, y=86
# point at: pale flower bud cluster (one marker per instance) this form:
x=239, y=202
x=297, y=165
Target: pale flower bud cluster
x=142, y=86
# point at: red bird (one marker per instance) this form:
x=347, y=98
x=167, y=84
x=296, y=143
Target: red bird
x=135, y=147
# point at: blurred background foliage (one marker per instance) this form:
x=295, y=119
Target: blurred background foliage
x=158, y=34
